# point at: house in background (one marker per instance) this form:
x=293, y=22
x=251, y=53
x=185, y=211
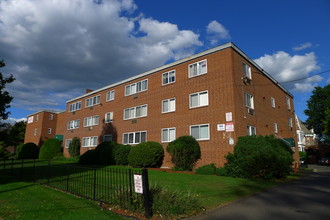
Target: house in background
x=306, y=137
x=215, y=96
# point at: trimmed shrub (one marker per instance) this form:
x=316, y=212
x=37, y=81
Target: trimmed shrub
x=27, y=151
x=120, y=154
x=50, y=148
x=185, y=152
x=208, y=169
x=259, y=157
x=220, y=171
x=74, y=147
x=104, y=151
x=90, y=157
x=146, y=154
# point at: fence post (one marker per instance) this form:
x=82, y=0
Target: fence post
x=130, y=186
x=94, y=196
x=146, y=193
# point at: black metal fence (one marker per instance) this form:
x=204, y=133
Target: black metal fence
x=110, y=185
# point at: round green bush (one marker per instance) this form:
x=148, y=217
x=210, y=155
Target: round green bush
x=220, y=171
x=74, y=147
x=259, y=157
x=104, y=151
x=208, y=169
x=120, y=153
x=27, y=151
x=50, y=148
x=185, y=152
x=146, y=154
x=90, y=157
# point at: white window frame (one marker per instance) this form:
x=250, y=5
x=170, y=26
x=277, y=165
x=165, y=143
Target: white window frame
x=95, y=100
x=275, y=128
x=91, y=121
x=75, y=106
x=108, y=117
x=67, y=143
x=248, y=96
x=197, y=71
x=74, y=124
x=287, y=101
x=107, y=135
x=247, y=70
x=168, y=77
x=199, y=99
x=37, y=118
x=136, y=87
x=290, y=122
x=250, y=129
x=35, y=132
x=132, y=112
x=171, y=105
x=168, y=131
x=51, y=116
x=272, y=101
x=199, y=131
x=49, y=130
x=89, y=141
x=110, y=96
x=134, y=137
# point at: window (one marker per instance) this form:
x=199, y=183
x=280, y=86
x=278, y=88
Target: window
x=73, y=124
x=35, y=132
x=135, y=112
x=248, y=98
x=275, y=128
x=107, y=138
x=108, y=118
x=134, y=137
x=93, y=101
x=37, y=118
x=89, y=141
x=136, y=87
x=75, y=106
x=200, y=132
x=67, y=143
x=110, y=95
x=287, y=101
x=168, y=105
x=247, y=70
x=272, y=100
x=49, y=130
x=168, y=134
x=197, y=68
x=90, y=121
x=51, y=116
x=169, y=77
x=290, y=122
x=30, y=120
x=199, y=99
x=251, y=130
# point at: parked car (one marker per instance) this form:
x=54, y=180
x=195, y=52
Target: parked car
x=324, y=161
x=303, y=162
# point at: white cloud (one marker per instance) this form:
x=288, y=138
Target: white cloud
x=302, y=46
x=285, y=68
x=216, y=32
x=57, y=48
x=12, y=121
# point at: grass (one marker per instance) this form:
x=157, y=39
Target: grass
x=23, y=200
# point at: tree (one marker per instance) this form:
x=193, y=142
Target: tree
x=318, y=111
x=16, y=134
x=5, y=98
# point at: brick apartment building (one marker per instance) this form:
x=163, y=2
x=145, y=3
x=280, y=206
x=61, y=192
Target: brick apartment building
x=216, y=96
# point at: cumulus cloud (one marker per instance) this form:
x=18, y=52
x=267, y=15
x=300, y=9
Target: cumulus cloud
x=12, y=121
x=57, y=48
x=216, y=32
x=302, y=46
x=286, y=68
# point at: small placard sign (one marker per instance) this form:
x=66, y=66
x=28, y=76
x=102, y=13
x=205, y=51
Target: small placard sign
x=138, y=183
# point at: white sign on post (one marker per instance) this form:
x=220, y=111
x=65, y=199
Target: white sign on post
x=138, y=183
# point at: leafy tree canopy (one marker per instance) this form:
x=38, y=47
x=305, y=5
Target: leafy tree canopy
x=5, y=98
x=318, y=111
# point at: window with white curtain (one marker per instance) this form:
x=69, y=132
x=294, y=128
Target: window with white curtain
x=135, y=112
x=198, y=68
x=89, y=141
x=168, y=134
x=200, y=132
x=168, y=105
x=199, y=99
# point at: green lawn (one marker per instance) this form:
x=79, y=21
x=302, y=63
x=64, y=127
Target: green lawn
x=23, y=200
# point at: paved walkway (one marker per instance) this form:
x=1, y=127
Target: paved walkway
x=306, y=198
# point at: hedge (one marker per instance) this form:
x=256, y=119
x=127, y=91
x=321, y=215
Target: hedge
x=50, y=148
x=146, y=154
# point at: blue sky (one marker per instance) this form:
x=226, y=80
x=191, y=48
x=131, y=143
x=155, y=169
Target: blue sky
x=56, y=49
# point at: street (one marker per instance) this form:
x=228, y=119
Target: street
x=306, y=198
